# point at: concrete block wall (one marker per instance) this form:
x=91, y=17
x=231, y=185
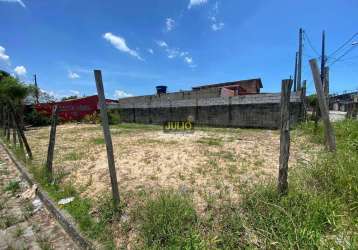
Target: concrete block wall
x=256, y=111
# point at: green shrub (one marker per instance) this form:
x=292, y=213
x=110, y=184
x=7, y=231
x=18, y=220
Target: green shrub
x=114, y=117
x=36, y=119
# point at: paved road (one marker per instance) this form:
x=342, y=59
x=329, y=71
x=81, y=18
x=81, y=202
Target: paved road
x=24, y=222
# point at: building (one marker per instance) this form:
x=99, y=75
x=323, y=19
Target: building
x=74, y=109
x=243, y=87
x=343, y=102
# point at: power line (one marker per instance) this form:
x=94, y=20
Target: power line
x=310, y=44
x=343, y=45
x=344, y=54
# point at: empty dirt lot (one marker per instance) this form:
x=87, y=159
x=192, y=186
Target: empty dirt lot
x=207, y=162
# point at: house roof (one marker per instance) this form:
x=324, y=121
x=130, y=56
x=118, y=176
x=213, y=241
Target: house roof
x=241, y=82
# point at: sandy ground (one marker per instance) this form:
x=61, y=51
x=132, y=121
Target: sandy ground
x=207, y=162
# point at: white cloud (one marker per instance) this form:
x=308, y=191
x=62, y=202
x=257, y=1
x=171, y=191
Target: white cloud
x=217, y=26
x=151, y=51
x=15, y=1
x=162, y=44
x=121, y=94
x=3, y=56
x=196, y=2
x=169, y=24
x=20, y=70
x=75, y=92
x=73, y=75
x=120, y=44
x=176, y=53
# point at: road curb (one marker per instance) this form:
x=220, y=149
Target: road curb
x=63, y=219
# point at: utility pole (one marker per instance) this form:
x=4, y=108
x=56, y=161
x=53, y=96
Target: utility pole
x=36, y=90
x=323, y=59
x=295, y=76
x=299, y=61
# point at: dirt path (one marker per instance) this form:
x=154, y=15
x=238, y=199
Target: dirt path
x=24, y=222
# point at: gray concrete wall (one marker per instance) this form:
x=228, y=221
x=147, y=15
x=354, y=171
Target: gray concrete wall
x=256, y=111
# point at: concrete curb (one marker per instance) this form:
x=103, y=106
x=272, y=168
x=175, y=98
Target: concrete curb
x=59, y=215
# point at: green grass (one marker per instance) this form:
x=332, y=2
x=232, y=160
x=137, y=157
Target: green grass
x=168, y=221
x=210, y=141
x=319, y=212
x=96, y=228
x=12, y=186
x=73, y=156
x=98, y=141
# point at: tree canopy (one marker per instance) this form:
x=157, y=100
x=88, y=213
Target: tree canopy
x=12, y=88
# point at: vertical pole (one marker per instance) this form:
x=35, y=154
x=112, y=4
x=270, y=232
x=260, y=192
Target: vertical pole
x=284, y=137
x=19, y=129
x=295, y=76
x=326, y=85
x=107, y=137
x=8, y=126
x=36, y=90
x=299, y=61
x=328, y=130
x=13, y=127
x=52, y=141
x=323, y=60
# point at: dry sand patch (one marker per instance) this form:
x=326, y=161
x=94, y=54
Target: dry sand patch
x=208, y=161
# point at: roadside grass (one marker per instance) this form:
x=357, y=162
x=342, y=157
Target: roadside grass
x=168, y=220
x=13, y=186
x=95, y=227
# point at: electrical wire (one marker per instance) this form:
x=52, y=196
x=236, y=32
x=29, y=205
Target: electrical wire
x=343, y=45
x=343, y=55
x=310, y=44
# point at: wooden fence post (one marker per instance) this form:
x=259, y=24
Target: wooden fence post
x=13, y=127
x=8, y=123
x=19, y=129
x=328, y=129
x=107, y=137
x=52, y=141
x=284, y=136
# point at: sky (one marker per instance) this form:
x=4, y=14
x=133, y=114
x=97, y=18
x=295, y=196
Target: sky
x=179, y=43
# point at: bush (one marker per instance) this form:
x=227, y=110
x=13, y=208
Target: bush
x=92, y=118
x=35, y=118
x=114, y=117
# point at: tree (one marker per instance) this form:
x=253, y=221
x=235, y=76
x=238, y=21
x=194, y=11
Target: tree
x=71, y=97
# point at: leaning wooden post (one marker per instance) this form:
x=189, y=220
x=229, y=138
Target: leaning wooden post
x=328, y=129
x=8, y=132
x=20, y=131
x=284, y=137
x=107, y=137
x=13, y=127
x=51, y=144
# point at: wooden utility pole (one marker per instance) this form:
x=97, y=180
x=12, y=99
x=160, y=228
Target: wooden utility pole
x=107, y=137
x=328, y=129
x=299, y=61
x=284, y=137
x=52, y=142
x=36, y=90
x=295, y=76
x=323, y=59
